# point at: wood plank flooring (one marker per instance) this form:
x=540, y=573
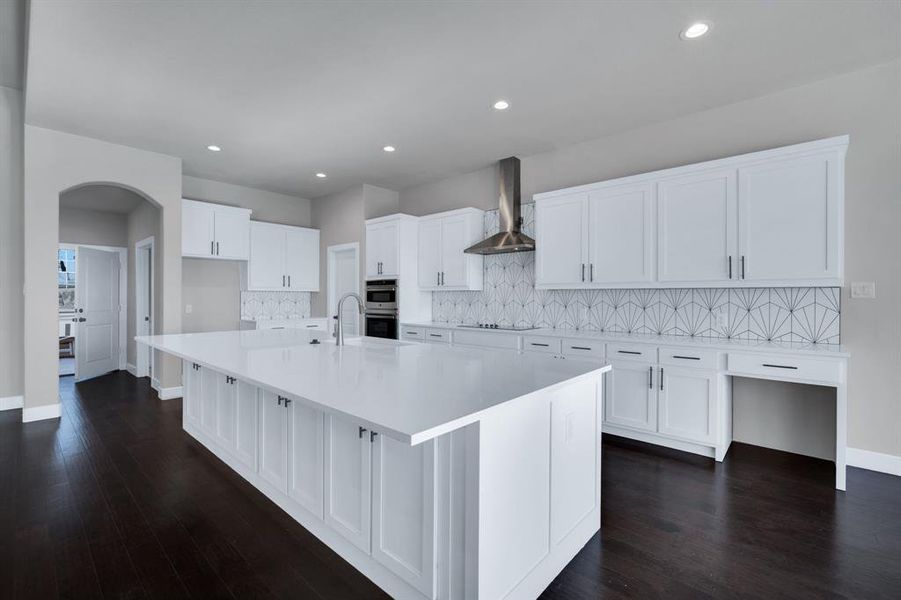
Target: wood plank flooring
x=116, y=501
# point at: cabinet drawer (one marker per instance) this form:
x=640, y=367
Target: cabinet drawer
x=640, y=352
x=438, y=336
x=413, y=333
x=485, y=339
x=688, y=357
x=535, y=343
x=575, y=348
x=784, y=366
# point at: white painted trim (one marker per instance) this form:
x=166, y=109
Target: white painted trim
x=330, y=272
x=12, y=402
x=131, y=369
x=169, y=393
x=40, y=413
x=144, y=356
x=874, y=461
x=123, y=298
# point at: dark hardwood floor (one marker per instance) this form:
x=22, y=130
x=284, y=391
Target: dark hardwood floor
x=114, y=500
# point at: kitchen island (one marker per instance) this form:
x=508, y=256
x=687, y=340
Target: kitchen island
x=438, y=472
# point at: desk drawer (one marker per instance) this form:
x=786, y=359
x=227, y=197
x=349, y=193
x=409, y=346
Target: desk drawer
x=438, y=336
x=576, y=348
x=688, y=357
x=785, y=366
x=617, y=351
x=538, y=343
x=415, y=334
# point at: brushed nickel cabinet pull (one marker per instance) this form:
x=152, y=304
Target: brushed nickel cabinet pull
x=687, y=357
x=650, y=378
x=780, y=366
x=661, y=379
x=362, y=431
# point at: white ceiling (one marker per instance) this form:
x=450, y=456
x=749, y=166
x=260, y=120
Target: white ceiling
x=291, y=88
x=103, y=198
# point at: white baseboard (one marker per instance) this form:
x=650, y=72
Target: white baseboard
x=155, y=383
x=12, y=402
x=39, y=413
x=873, y=461
x=169, y=393
x=133, y=370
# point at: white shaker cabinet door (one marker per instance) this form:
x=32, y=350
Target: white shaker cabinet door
x=246, y=426
x=210, y=401
x=273, y=440
x=403, y=510
x=347, y=480
x=306, y=460
x=266, y=268
x=232, y=231
x=631, y=395
x=455, y=237
x=429, y=258
x=790, y=219
x=226, y=412
x=197, y=230
x=302, y=259
x=193, y=394
x=687, y=404
x=697, y=228
x=561, y=241
x=622, y=238
x=381, y=249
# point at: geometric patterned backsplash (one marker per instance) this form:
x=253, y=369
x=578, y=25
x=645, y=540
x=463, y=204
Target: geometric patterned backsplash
x=810, y=315
x=260, y=306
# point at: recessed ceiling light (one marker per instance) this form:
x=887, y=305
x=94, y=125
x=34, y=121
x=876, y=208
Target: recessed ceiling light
x=389, y=148
x=501, y=105
x=321, y=175
x=695, y=30
x=213, y=148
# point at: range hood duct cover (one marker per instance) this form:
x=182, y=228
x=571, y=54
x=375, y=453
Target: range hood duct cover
x=510, y=238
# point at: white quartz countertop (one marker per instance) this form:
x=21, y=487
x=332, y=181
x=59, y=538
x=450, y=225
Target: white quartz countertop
x=734, y=344
x=412, y=392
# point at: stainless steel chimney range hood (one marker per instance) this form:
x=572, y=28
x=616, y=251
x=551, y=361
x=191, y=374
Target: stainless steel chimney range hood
x=510, y=238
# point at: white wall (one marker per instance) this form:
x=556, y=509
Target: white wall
x=212, y=287
x=54, y=163
x=79, y=226
x=340, y=220
x=864, y=104
x=11, y=243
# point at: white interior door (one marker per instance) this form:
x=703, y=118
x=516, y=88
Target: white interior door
x=345, y=279
x=97, y=306
x=144, y=305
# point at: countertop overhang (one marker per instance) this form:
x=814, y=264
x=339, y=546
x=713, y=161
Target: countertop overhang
x=412, y=392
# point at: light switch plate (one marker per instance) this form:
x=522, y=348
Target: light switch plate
x=188, y=309
x=863, y=289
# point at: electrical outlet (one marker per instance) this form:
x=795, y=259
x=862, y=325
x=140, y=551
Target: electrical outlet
x=863, y=289
x=188, y=309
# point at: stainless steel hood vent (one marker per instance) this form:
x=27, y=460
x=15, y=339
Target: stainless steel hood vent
x=510, y=238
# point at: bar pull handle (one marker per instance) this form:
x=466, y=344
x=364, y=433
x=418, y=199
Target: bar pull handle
x=583, y=271
x=217, y=248
x=362, y=431
x=372, y=435
x=650, y=378
x=289, y=281
x=287, y=402
x=742, y=266
x=661, y=379
x=580, y=348
x=780, y=366
x=541, y=345
x=629, y=352
x=591, y=272
x=687, y=357
x=730, y=267
x=436, y=335
x=280, y=400
x=438, y=277
x=212, y=248
x=283, y=280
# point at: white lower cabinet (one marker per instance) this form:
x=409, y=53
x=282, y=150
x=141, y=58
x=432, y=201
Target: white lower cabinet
x=209, y=381
x=245, y=448
x=273, y=445
x=631, y=399
x=305, y=456
x=687, y=404
x=403, y=510
x=193, y=392
x=347, y=480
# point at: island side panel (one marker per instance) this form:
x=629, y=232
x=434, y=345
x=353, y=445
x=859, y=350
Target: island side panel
x=539, y=469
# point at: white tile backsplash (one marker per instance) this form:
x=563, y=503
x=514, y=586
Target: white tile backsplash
x=260, y=306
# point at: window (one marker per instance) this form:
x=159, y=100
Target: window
x=65, y=278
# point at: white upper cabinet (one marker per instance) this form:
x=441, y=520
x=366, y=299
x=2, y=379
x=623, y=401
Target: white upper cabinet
x=696, y=227
x=621, y=235
x=382, y=247
x=561, y=234
x=770, y=218
x=790, y=219
x=214, y=231
x=283, y=258
x=442, y=238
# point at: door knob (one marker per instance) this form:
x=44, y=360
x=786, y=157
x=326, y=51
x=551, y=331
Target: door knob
x=81, y=319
